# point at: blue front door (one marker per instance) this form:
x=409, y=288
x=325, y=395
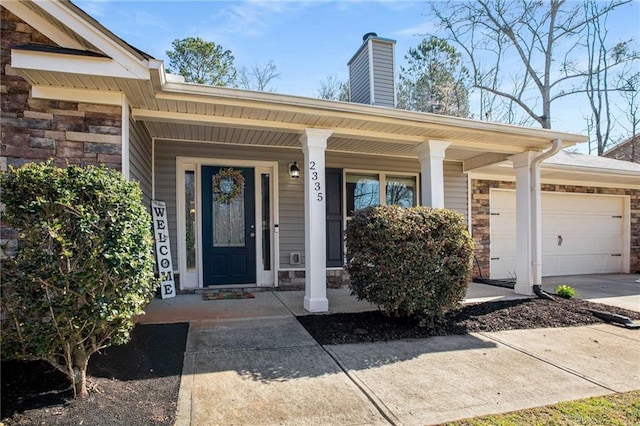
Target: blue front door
x=228, y=226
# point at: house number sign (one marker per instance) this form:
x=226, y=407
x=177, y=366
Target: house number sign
x=315, y=181
x=163, y=249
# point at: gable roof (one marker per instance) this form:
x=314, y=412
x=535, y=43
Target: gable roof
x=620, y=145
x=627, y=150
x=573, y=168
x=71, y=28
x=182, y=111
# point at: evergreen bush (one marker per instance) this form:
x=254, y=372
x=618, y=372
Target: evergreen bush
x=83, y=267
x=409, y=262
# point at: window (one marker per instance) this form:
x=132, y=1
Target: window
x=365, y=189
x=401, y=191
x=190, y=218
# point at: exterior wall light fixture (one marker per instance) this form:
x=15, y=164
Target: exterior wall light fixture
x=294, y=170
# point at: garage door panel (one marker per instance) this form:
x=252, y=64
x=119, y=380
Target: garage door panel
x=576, y=265
x=590, y=228
x=504, y=245
x=504, y=267
x=587, y=245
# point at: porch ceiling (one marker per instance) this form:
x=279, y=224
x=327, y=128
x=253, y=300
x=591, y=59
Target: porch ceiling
x=187, y=112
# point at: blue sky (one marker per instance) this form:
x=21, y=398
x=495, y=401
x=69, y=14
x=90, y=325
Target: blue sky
x=307, y=40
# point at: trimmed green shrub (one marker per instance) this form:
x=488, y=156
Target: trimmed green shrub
x=409, y=262
x=565, y=291
x=83, y=267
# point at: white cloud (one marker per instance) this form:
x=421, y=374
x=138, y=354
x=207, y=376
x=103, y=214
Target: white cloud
x=252, y=18
x=417, y=30
x=95, y=8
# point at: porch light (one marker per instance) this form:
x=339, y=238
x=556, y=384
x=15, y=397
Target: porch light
x=294, y=170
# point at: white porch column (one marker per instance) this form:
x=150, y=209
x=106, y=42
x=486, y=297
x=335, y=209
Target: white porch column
x=314, y=143
x=431, y=156
x=526, y=231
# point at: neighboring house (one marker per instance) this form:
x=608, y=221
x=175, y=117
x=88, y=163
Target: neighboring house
x=73, y=91
x=627, y=150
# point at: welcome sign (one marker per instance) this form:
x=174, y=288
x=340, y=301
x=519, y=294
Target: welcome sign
x=163, y=249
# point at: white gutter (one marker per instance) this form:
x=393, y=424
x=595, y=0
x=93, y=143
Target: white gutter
x=536, y=215
x=299, y=104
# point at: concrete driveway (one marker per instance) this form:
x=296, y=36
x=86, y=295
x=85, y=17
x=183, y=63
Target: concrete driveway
x=622, y=290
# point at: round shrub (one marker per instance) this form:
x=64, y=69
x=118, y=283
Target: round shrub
x=83, y=267
x=409, y=262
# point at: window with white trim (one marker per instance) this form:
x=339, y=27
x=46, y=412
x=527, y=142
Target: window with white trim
x=365, y=189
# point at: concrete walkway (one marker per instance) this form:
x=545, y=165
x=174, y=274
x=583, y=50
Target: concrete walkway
x=250, y=362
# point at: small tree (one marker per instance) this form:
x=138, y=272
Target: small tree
x=435, y=80
x=83, y=268
x=333, y=89
x=202, y=62
x=258, y=76
x=409, y=262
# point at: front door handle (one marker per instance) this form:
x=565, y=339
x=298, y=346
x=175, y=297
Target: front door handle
x=252, y=234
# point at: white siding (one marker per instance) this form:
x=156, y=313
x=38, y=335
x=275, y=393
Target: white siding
x=140, y=159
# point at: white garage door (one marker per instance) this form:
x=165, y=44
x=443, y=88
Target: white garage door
x=581, y=234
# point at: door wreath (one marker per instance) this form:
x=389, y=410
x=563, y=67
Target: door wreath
x=228, y=185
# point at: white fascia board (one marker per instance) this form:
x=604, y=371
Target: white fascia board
x=134, y=66
x=63, y=63
x=587, y=169
x=300, y=104
x=77, y=95
x=43, y=25
x=575, y=180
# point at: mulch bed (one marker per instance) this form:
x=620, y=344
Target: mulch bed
x=492, y=316
x=132, y=384
x=137, y=383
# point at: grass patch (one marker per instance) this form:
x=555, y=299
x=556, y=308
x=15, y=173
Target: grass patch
x=622, y=409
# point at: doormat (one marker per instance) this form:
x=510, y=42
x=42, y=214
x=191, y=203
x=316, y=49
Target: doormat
x=226, y=295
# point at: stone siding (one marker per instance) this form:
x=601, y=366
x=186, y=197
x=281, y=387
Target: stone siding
x=480, y=208
x=37, y=130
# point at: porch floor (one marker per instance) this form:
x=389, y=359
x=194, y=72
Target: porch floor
x=622, y=290
x=274, y=304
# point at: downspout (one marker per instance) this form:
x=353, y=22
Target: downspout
x=536, y=244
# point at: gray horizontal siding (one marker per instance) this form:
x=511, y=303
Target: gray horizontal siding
x=383, y=74
x=140, y=159
x=455, y=181
x=359, y=78
x=291, y=191
x=456, y=188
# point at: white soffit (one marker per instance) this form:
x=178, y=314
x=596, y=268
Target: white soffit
x=59, y=62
